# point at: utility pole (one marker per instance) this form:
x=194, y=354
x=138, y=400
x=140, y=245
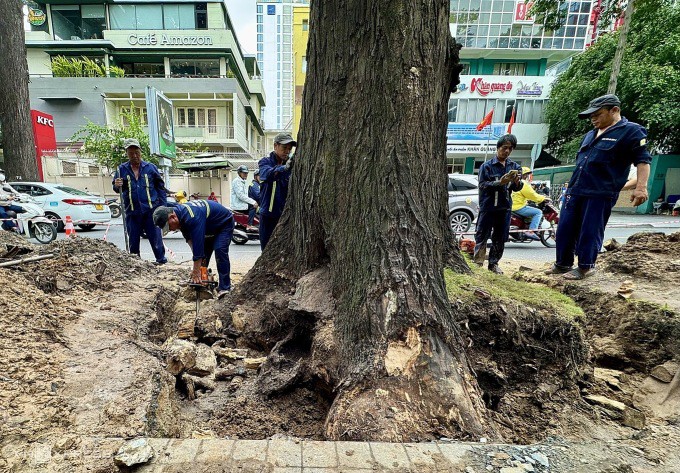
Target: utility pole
x=620, y=47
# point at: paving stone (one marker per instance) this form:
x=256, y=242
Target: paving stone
x=455, y=453
x=179, y=451
x=215, y=451
x=423, y=454
x=355, y=455
x=289, y=469
x=285, y=453
x=319, y=455
x=250, y=450
x=389, y=455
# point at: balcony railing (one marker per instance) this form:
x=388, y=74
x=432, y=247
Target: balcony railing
x=203, y=132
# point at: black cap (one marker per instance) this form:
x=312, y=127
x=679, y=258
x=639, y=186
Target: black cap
x=609, y=100
x=160, y=218
x=284, y=139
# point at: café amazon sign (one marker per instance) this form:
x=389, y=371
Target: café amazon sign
x=153, y=39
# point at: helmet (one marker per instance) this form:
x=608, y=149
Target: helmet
x=181, y=194
x=243, y=168
x=526, y=170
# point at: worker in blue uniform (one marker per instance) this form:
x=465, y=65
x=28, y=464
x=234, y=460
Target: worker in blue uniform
x=142, y=190
x=602, y=167
x=498, y=178
x=207, y=226
x=274, y=177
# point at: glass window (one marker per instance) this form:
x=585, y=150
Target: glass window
x=574, y=6
x=195, y=68
x=260, y=38
x=201, y=15
x=535, y=43
x=509, y=68
x=526, y=30
x=144, y=69
x=496, y=18
x=66, y=22
x=286, y=29
x=510, y=105
x=259, y=8
x=506, y=18
x=583, y=19
x=304, y=65
x=93, y=21
x=260, y=28
x=260, y=47
x=287, y=9
x=466, y=68
x=122, y=17
x=579, y=44
x=568, y=43
x=171, y=16
x=525, y=43
x=486, y=5
x=581, y=32
x=515, y=30
x=453, y=109
x=572, y=19
x=514, y=42
x=259, y=18
x=484, y=18
x=149, y=17
x=503, y=43
x=508, y=6
x=305, y=25
x=585, y=7
x=571, y=32
x=483, y=30
x=187, y=20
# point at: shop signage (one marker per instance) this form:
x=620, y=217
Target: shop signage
x=470, y=148
x=44, y=120
x=151, y=39
x=43, y=136
x=530, y=90
x=484, y=88
x=36, y=17
x=522, y=12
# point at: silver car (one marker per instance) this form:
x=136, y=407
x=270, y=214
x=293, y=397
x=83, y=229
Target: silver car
x=463, y=201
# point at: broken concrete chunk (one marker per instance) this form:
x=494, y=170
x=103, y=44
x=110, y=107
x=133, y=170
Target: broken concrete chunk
x=205, y=363
x=181, y=356
x=628, y=416
x=194, y=383
x=229, y=353
x=229, y=372
x=613, y=378
x=134, y=452
x=665, y=372
x=612, y=245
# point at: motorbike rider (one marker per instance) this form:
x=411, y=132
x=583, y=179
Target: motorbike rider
x=7, y=195
x=254, y=193
x=520, y=207
x=239, y=192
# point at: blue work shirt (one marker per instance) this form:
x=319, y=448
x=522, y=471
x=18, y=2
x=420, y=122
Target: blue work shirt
x=254, y=191
x=492, y=194
x=273, y=185
x=603, y=162
x=199, y=219
x=144, y=194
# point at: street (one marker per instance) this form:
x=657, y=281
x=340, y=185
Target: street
x=621, y=226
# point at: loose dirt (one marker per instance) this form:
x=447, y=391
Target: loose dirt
x=87, y=333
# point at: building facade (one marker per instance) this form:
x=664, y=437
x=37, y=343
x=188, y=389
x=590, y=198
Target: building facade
x=275, y=57
x=300, y=39
x=92, y=61
x=505, y=58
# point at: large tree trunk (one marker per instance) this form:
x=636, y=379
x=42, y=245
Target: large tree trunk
x=364, y=239
x=15, y=108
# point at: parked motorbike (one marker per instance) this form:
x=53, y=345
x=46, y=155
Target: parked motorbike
x=115, y=207
x=547, y=228
x=32, y=223
x=242, y=234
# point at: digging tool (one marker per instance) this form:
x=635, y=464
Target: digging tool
x=207, y=282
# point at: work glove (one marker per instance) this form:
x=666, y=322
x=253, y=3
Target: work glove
x=289, y=164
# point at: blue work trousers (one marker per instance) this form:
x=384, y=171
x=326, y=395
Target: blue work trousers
x=219, y=243
x=252, y=212
x=267, y=225
x=135, y=223
x=494, y=224
x=581, y=230
x=531, y=212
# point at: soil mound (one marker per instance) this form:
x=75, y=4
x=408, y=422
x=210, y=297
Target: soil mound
x=647, y=255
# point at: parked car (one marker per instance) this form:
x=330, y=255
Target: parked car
x=463, y=201
x=58, y=201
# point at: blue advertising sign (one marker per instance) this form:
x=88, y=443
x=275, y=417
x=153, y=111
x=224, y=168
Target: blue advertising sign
x=467, y=132
x=271, y=9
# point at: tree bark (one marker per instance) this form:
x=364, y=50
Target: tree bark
x=364, y=239
x=15, y=108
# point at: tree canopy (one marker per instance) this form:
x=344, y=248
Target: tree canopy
x=648, y=85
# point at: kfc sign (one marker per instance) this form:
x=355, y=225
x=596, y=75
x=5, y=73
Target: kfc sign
x=44, y=120
x=484, y=88
x=522, y=12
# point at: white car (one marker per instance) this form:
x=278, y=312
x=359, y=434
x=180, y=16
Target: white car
x=463, y=201
x=58, y=201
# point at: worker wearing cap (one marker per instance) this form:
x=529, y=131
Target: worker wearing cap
x=602, y=168
x=207, y=226
x=520, y=207
x=274, y=176
x=254, y=193
x=142, y=190
x=239, y=192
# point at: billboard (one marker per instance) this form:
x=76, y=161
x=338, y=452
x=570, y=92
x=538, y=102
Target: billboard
x=161, y=131
x=466, y=133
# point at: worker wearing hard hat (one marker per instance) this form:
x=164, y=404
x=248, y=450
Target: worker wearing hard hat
x=520, y=207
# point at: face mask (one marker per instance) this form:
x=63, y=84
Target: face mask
x=2, y=177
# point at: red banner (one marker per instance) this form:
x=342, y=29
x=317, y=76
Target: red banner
x=44, y=137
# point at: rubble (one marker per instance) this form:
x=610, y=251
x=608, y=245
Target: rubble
x=181, y=356
x=665, y=372
x=205, y=362
x=134, y=452
x=628, y=416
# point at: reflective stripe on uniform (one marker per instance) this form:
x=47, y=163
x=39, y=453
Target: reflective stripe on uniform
x=271, y=200
x=132, y=205
x=188, y=207
x=207, y=208
x=148, y=194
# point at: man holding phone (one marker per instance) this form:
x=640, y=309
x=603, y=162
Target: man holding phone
x=498, y=178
